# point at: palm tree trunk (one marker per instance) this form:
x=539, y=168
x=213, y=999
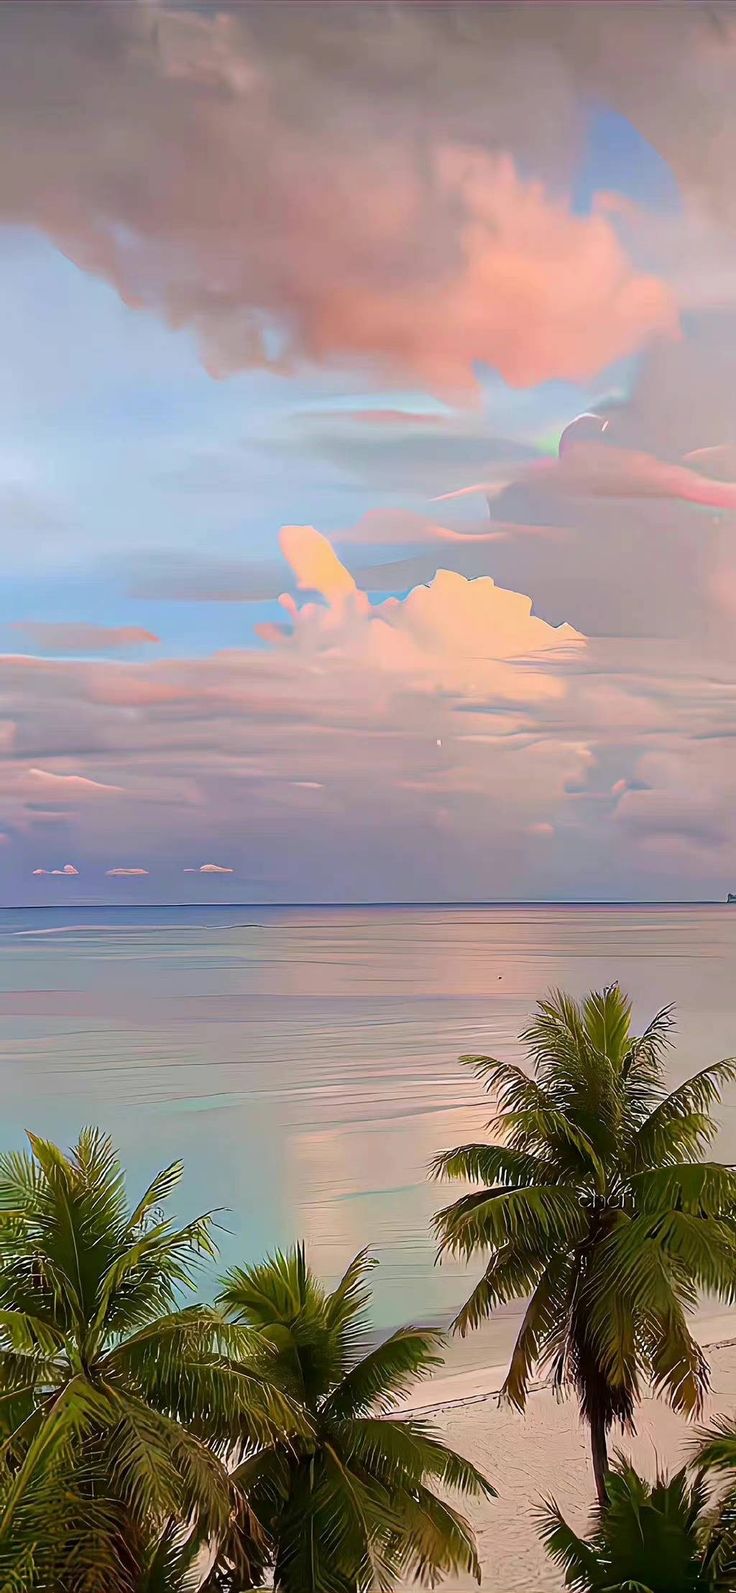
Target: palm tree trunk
x=599, y=1451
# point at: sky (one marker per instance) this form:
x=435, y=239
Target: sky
x=316, y=587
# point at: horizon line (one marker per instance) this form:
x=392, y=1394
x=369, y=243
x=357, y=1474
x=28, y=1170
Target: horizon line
x=648, y=901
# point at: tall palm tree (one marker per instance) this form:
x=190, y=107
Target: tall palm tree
x=660, y=1539
x=351, y=1506
x=596, y=1206
x=116, y=1399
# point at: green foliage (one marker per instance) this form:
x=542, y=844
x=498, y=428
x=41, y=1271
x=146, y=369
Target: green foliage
x=150, y=1444
x=647, y=1539
x=596, y=1204
x=118, y=1403
x=351, y=1506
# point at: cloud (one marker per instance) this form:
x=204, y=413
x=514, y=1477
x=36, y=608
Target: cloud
x=214, y=868
x=406, y=527
x=599, y=471
x=46, y=782
x=62, y=637
x=315, y=563
x=407, y=243
x=68, y=871
x=453, y=742
x=589, y=469
x=454, y=634
x=648, y=509
x=126, y=873
x=412, y=459
x=458, y=740
x=349, y=710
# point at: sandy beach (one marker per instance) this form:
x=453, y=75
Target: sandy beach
x=545, y=1452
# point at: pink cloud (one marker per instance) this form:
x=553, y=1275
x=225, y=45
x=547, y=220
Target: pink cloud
x=457, y=711
x=405, y=527
x=214, y=868
x=80, y=638
x=384, y=238
x=126, y=689
x=534, y=291
x=603, y=471
x=68, y=871
x=126, y=873
x=47, y=782
x=588, y=469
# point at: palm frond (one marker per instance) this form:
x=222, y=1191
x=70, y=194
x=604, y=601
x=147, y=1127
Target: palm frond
x=643, y=1065
x=692, y=1100
x=496, y=1217
x=715, y=1448
x=678, y=1366
x=387, y=1373
x=273, y=1291
x=69, y=1415
x=410, y=1449
x=606, y=1017
x=704, y=1189
x=160, y=1469
x=346, y=1309
x=207, y=1372
x=513, y=1089
x=158, y=1191
x=545, y=1318
x=576, y=1558
x=437, y=1540
x=512, y=1273
x=169, y=1563
x=493, y=1164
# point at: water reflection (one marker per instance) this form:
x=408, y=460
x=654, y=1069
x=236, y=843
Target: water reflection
x=303, y=1061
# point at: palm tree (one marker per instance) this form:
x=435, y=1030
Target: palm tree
x=660, y=1539
x=351, y=1507
x=596, y=1207
x=117, y=1401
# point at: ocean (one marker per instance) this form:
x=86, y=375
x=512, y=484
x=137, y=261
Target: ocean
x=303, y=1061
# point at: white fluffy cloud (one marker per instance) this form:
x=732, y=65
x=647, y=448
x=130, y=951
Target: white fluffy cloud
x=68, y=870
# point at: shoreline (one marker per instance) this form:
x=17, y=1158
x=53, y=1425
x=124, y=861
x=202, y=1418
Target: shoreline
x=460, y=1390
x=543, y=1453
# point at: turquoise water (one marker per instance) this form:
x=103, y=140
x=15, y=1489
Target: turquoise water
x=303, y=1061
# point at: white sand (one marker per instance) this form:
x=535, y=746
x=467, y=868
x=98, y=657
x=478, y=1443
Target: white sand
x=545, y=1452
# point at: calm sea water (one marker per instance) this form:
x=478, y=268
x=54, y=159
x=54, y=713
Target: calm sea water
x=303, y=1061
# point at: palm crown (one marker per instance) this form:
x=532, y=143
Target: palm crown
x=664, y=1538
x=597, y=1206
x=109, y=1385
x=350, y=1506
